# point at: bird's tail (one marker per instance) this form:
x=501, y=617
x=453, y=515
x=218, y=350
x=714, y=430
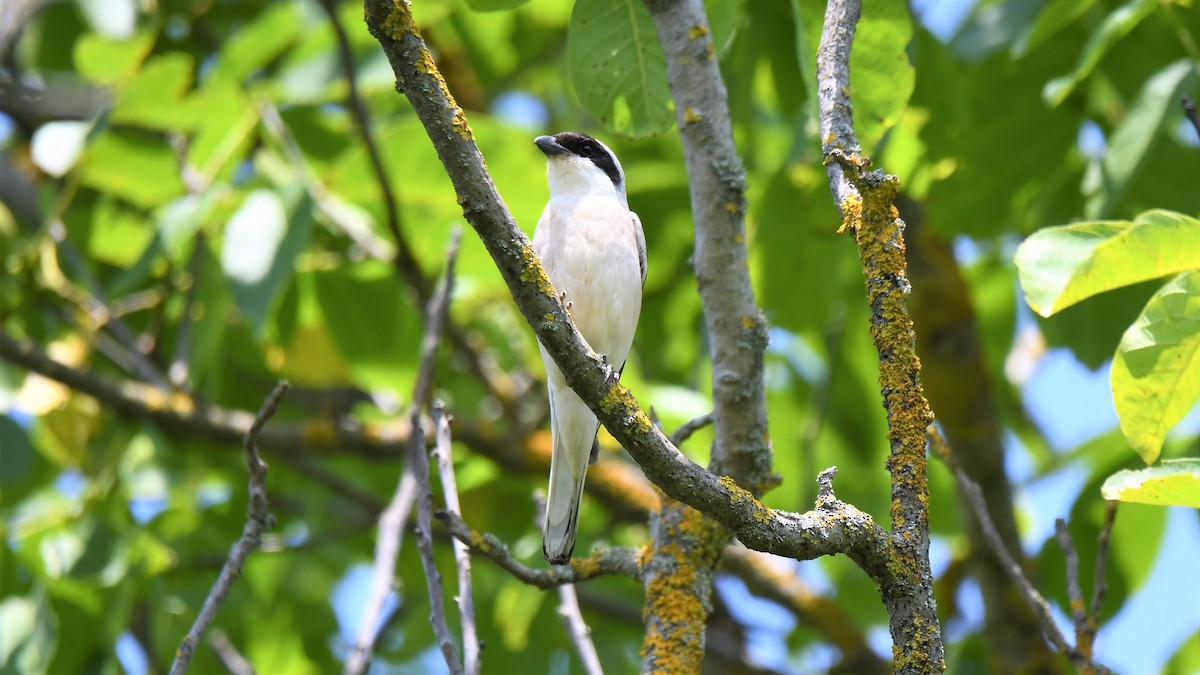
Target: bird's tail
x=573, y=428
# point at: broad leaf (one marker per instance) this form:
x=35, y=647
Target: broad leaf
x=138, y=168
x=1130, y=145
x=153, y=98
x=1059, y=266
x=618, y=68
x=1054, y=17
x=258, y=254
x=107, y=61
x=258, y=43
x=1173, y=483
x=1156, y=371
x=881, y=78
x=1116, y=26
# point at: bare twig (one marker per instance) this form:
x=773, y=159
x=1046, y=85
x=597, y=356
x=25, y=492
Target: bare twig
x=603, y=562
x=408, y=489
x=99, y=313
x=581, y=635
x=258, y=519
x=1189, y=110
x=404, y=261
x=1074, y=594
x=1099, y=583
x=228, y=654
x=690, y=427
x=1035, y=600
x=462, y=557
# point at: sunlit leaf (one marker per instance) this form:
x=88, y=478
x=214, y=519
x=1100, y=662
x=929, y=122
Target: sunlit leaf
x=140, y=169
x=1059, y=266
x=881, y=78
x=516, y=606
x=153, y=97
x=257, y=43
x=106, y=61
x=1156, y=371
x=1175, y=482
x=618, y=68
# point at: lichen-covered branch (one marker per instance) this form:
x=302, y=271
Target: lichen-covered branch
x=867, y=203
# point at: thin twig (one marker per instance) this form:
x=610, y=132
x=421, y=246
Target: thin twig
x=228, y=654
x=1035, y=600
x=408, y=489
x=462, y=556
x=602, y=562
x=1189, y=110
x=1099, y=582
x=258, y=519
x=581, y=635
x=99, y=313
x=405, y=263
x=419, y=461
x=1074, y=593
x=690, y=427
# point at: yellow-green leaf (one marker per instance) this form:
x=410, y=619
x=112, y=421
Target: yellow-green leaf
x=1173, y=483
x=1156, y=370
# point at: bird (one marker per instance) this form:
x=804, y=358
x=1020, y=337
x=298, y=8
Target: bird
x=594, y=251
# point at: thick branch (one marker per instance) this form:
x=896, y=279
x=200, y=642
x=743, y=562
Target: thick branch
x=867, y=205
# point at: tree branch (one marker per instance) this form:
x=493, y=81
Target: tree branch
x=834, y=527
x=258, y=519
x=581, y=635
x=462, y=558
x=867, y=205
x=413, y=487
x=1037, y=603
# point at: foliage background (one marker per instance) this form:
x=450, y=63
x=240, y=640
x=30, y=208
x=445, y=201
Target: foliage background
x=222, y=257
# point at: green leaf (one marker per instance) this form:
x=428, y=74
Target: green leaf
x=1054, y=17
x=516, y=606
x=258, y=255
x=494, y=5
x=258, y=43
x=106, y=61
x=1175, y=482
x=16, y=453
x=1156, y=371
x=368, y=323
x=153, y=97
x=1060, y=266
x=1116, y=26
x=1130, y=145
x=618, y=68
x=881, y=78
x=140, y=169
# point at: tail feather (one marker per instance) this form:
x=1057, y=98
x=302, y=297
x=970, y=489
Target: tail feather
x=573, y=428
x=562, y=514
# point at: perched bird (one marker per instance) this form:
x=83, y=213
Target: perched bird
x=594, y=251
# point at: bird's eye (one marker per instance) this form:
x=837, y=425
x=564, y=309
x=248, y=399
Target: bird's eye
x=586, y=150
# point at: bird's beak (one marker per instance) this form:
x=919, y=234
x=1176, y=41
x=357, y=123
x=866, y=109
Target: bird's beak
x=549, y=146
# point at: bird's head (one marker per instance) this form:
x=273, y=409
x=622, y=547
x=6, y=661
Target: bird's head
x=580, y=165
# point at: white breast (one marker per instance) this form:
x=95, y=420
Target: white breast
x=589, y=247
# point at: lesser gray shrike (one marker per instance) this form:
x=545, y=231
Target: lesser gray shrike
x=594, y=251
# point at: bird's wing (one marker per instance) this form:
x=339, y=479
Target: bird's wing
x=641, y=244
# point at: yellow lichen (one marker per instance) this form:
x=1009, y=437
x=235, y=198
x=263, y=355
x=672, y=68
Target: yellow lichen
x=697, y=32
x=731, y=207
x=747, y=322
x=532, y=272
x=690, y=116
